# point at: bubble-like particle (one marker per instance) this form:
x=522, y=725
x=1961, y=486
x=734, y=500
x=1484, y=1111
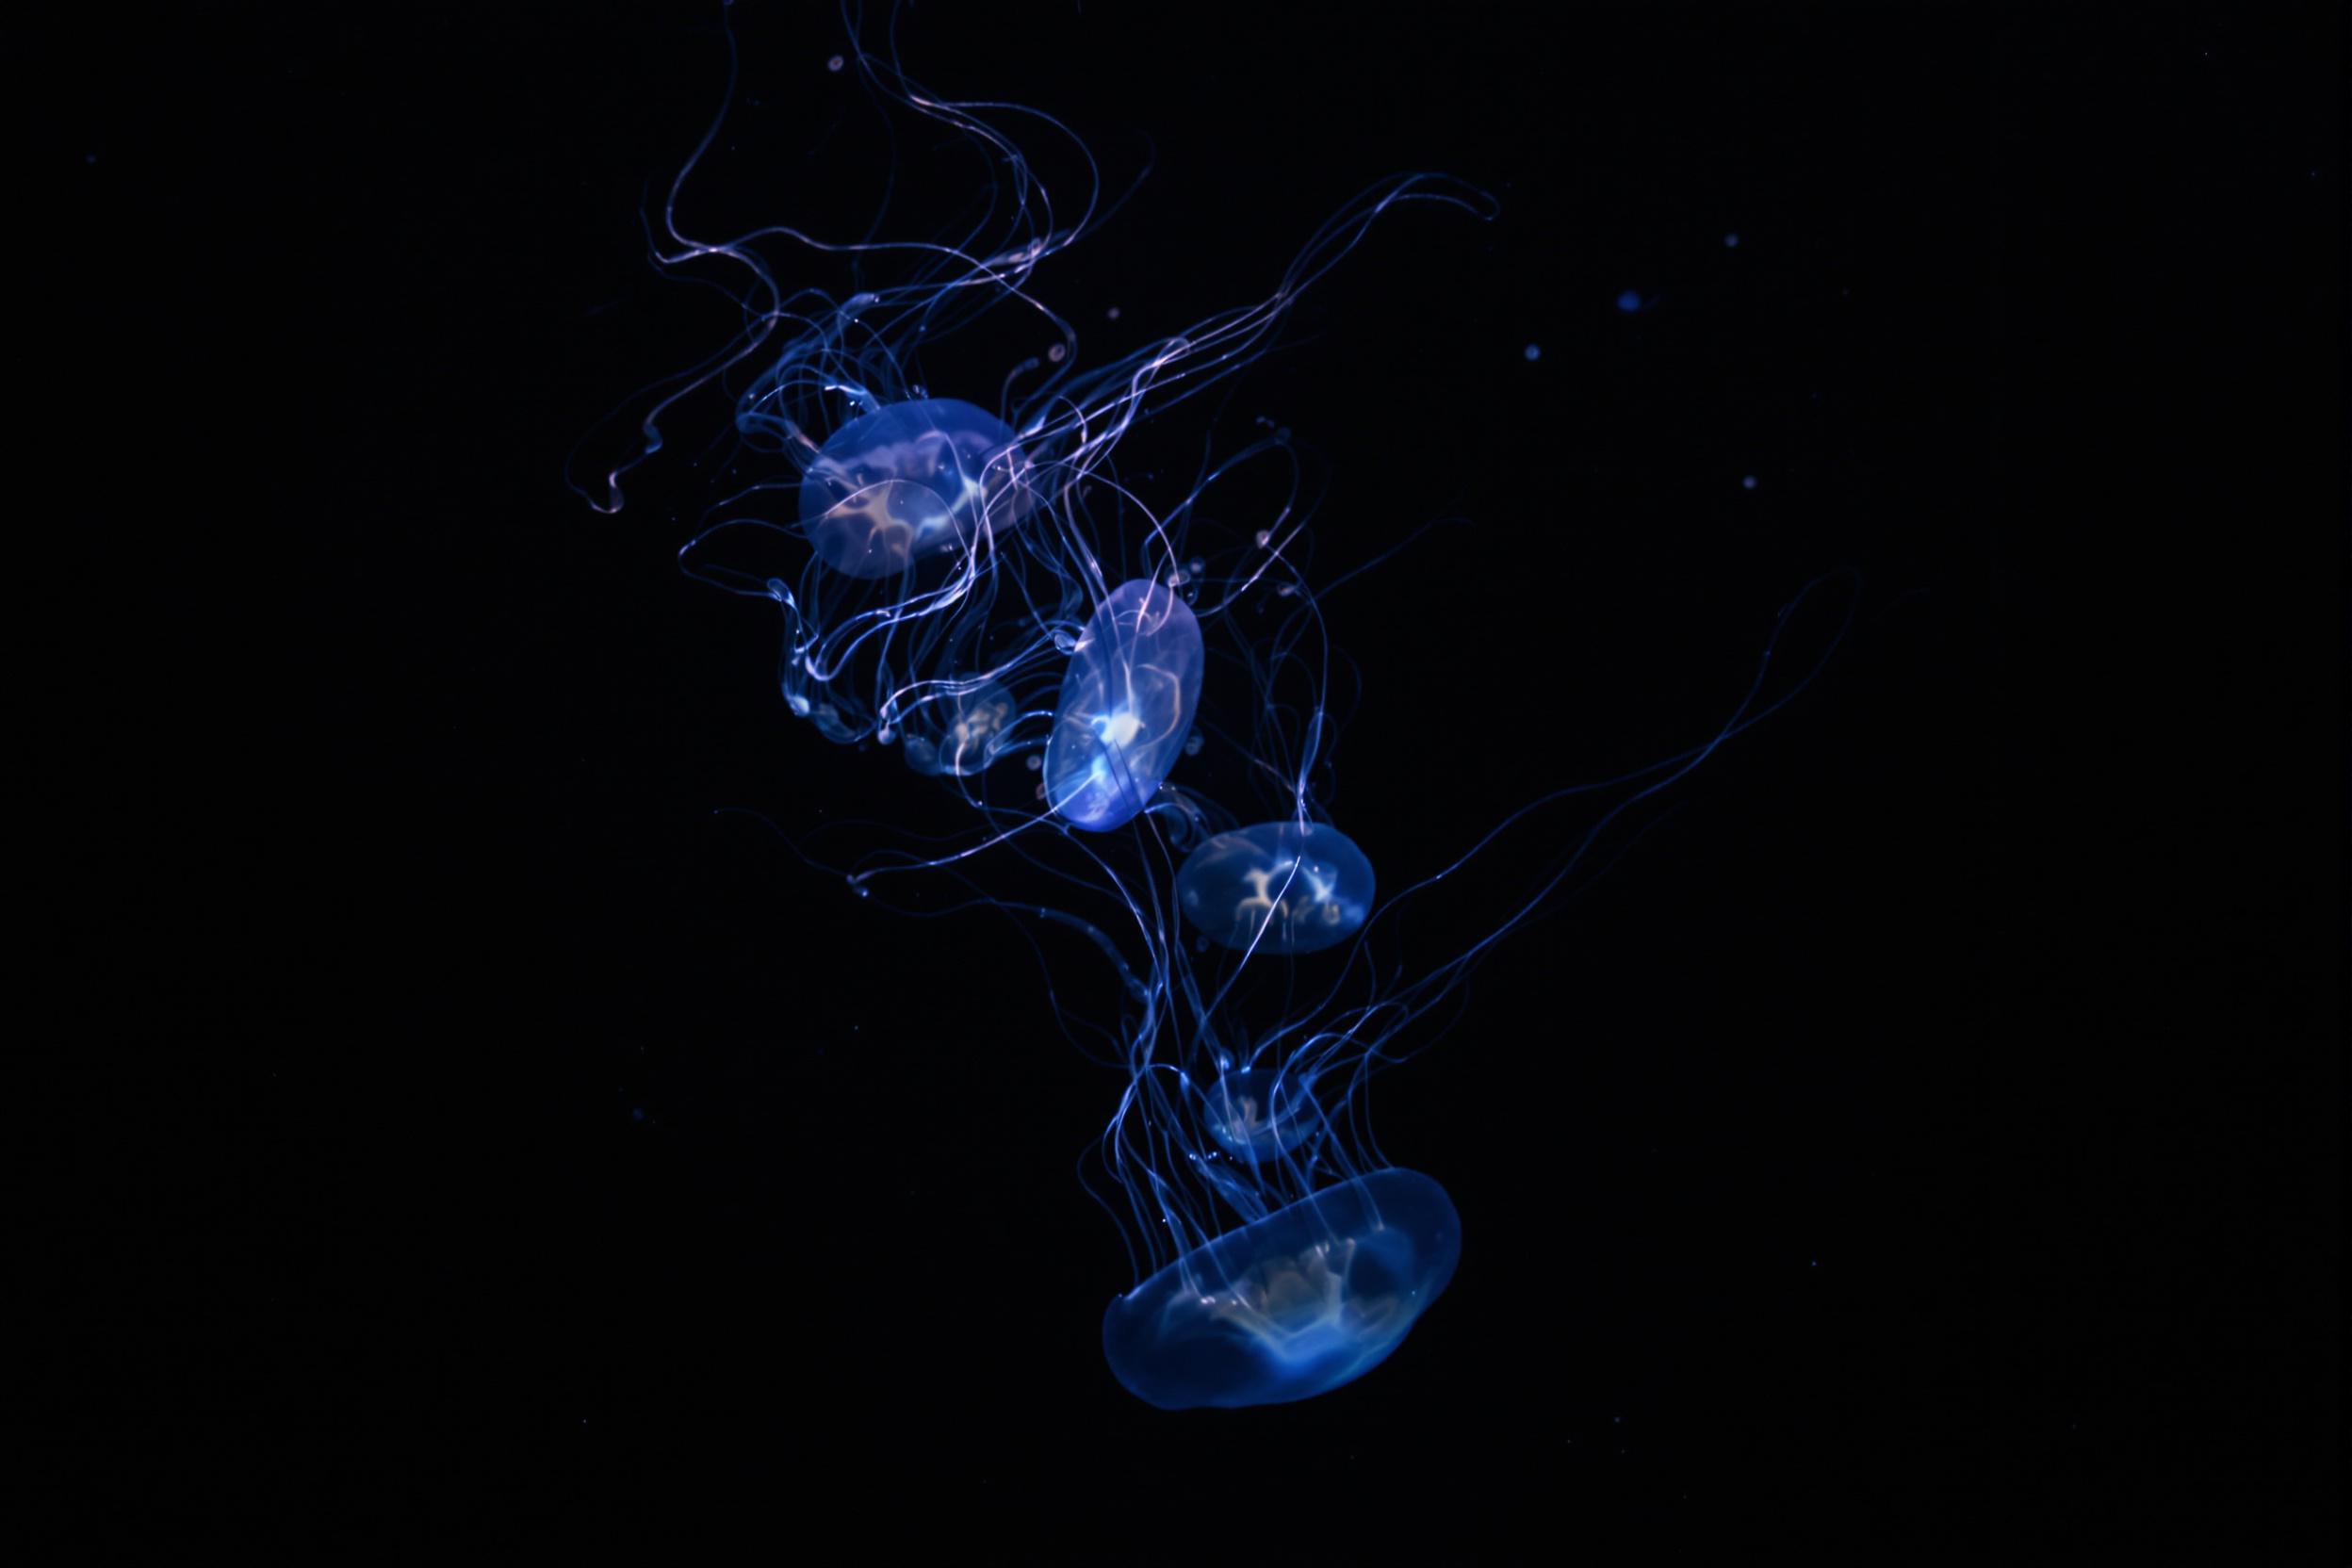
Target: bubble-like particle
x=1731, y=242
x=1534, y=351
x=1747, y=481
x=1629, y=302
x=835, y=63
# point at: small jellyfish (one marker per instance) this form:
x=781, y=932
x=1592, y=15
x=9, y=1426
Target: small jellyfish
x=1290, y=1306
x=1257, y=1113
x=1127, y=703
x=1278, y=886
x=828, y=722
x=960, y=732
x=910, y=481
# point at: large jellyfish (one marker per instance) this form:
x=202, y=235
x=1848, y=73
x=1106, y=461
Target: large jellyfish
x=910, y=481
x=1293, y=1305
x=1127, y=703
x=1280, y=886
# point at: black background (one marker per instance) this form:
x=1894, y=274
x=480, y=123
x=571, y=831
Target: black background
x=1922, y=1137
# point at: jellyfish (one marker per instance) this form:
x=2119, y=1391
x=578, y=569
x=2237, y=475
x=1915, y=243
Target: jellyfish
x=1311, y=1297
x=958, y=731
x=1279, y=887
x=1127, y=703
x=910, y=482
x=1258, y=1113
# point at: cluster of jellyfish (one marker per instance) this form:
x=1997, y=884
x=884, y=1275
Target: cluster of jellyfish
x=970, y=582
x=950, y=607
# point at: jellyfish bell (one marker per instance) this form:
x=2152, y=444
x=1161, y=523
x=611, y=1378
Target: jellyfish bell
x=1126, y=705
x=1276, y=886
x=1290, y=1306
x=827, y=720
x=910, y=482
x=1258, y=1113
x=959, y=733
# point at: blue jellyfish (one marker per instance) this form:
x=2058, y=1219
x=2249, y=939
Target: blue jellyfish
x=958, y=731
x=1257, y=1113
x=1290, y=1306
x=910, y=482
x=1127, y=702
x=1284, y=887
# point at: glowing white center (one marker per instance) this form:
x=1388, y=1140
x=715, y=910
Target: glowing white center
x=1118, y=727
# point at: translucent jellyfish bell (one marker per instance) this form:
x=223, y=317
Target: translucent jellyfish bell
x=1258, y=1113
x=959, y=733
x=910, y=481
x=1127, y=704
x=1285, y=888
x=1290, y=1306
